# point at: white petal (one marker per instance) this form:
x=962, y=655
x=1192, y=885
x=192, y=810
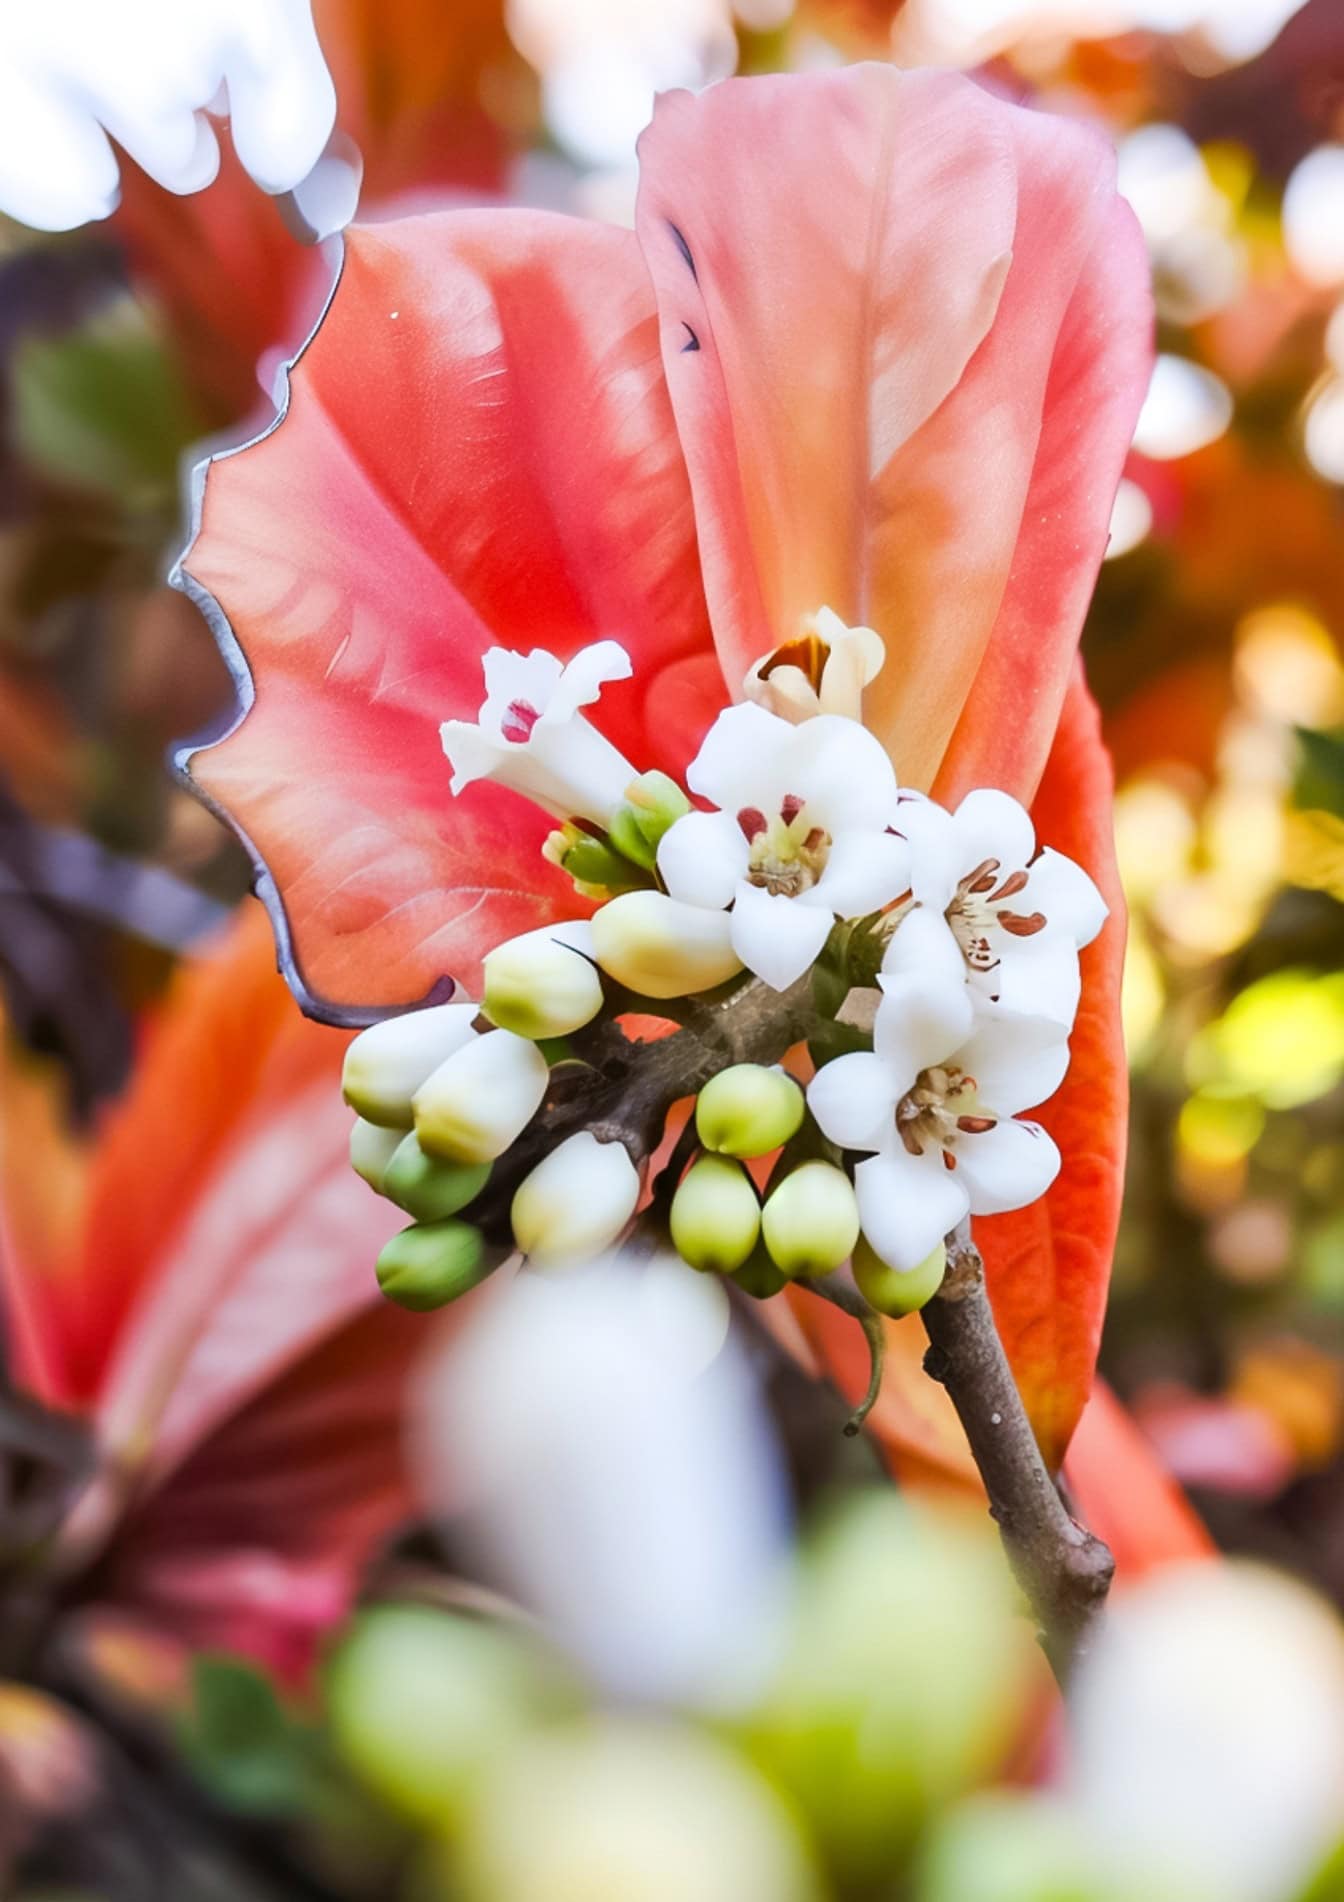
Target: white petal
x=776, y=937
x=921, y=1020
x=739, y=758
x=923, y=945
x=934, y=869
x=907, y=1204
x=1017, y=1061
x=854, y=1100
x=1006, y=1167
x=787, y=692
x=842, y=771
x=703, y=858
x=864, y=872
x=473, y=752
x=1062, y=890
x=992, y=825
x=576, y=1201
x=509, y=677
x=584, y=677
x=856, y=657
x=1037, y=977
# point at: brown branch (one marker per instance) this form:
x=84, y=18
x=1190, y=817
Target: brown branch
x=1063, y=1569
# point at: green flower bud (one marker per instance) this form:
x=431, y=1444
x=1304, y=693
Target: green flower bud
x=576, y=1201
x=658, y=947
x=475, y=1104
x=541, y=984
x=371, y=1149
x=748, y=1110
x=715, y=1215
x=652, y=804
x=386, y=1064
x=811, y=1220
x=427, y=1188
x=758, y=1275
x=890, y=1291
x=433, y=1263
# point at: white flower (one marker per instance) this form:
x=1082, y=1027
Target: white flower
x=990, y=907
x=801, y=836
x=824, y=671
x=531, y=736
x=937, y=1099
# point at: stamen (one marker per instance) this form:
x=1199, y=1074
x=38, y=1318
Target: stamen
x=518, y=722
x=1010, y=886
x=1020, y=926
x=753, y=823
x=789, y=808
x=815, y=839
x=809, y=655
x=982, y=878
x=949, y=1160
x=975, y=1125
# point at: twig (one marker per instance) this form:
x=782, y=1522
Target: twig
x=1064, y=1570
x=851, y=1302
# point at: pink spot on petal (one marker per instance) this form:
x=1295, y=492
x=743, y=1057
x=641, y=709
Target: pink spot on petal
x=518, y=722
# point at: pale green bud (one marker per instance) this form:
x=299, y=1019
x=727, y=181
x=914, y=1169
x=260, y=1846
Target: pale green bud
x=888, y=1289
x=758, y=1275
x=433, y=1263
x=485, y=1095
x=386, y=1064
x=659, y=947
x=652, y=805
x=811, y=1220
x=715, y=1216
x=576, y=1201
x=748, y=1110
x=541, y=984
x=427, y=1188
x=371, y=1149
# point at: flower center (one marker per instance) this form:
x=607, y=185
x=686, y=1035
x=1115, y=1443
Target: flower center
x=518, y=722
x=809, y=654
x=979, y=903
x=788, y=853
x=943, y=1106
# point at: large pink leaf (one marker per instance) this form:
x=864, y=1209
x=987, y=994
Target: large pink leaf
x=478, y=450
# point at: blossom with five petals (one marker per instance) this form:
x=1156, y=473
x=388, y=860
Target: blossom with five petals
x=937, y=1100
x=800, y=836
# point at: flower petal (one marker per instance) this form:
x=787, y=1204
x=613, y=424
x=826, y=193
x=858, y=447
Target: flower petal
x=989, y=824
x=853, y=1098
x=934, y=868
x=841, y=770
x=907, y=1204
x=1069, y=899
x=776, y=937
x=1036, y=977
x=1006, y=1167
x=364, y=572
x=584, y=677
x=740, y=762
x=924, y=1017
x=923, y=945
x=1017, y=1061
x=864, y=872
x=703, y=858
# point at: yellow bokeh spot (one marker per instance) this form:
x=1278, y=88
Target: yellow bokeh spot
x=1154, y=835
x=1218, y=1131
x=1288, y=667
x=1143, y=995
x=1281, y=1040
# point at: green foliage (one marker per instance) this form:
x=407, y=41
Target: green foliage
x=242, y=1744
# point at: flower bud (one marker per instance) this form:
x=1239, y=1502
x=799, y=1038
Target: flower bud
x=892, y=1291
x=576, y=1201
x=433, y=1263
x=715, y=1216
x=386, y=1064
x=659, y=947
x=371, y=1149
x=758, y=1275
x=475, y=1104
x=748, y=1110
x=427, y=1188
x=652, y=805
x=811, y=1220
x=542, y=984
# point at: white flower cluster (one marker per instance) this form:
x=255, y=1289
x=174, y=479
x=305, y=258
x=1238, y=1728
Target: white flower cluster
x=802, y=828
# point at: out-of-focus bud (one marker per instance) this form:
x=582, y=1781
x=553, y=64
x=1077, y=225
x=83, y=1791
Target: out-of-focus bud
x=659, y=947
x=653, y=803
x=431, y=1264
x=811, y=1220
x=427, y=1188
x=421, y=1702
x=386, y=1064
x=371, y=1149
x=474, y=1105
x=892, y=1292
x=600, y=1807
x=715, y=1216
x=758, y=1275
x=1009, y=1847
x=576, y=1201
x=544, y=983
x=748, y=1110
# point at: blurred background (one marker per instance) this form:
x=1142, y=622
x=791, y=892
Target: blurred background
x=358, y=1608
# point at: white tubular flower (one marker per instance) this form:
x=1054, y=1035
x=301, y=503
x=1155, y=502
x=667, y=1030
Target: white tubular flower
x=386, y=1064
x=991, y=907
x=801, y=836
x=531, y=736
x=824, y=671
x=576, y=1202
x=937, y=1099
x=474, y=1105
